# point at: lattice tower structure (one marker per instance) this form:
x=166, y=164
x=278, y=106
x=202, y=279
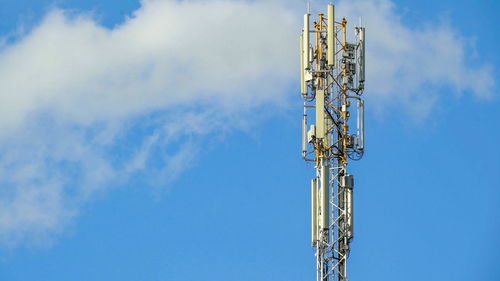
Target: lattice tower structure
x=332, y=84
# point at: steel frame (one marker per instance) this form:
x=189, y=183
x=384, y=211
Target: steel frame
x=333, y=242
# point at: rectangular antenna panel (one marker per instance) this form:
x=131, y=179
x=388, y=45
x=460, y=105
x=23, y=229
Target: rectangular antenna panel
x=347, y=182
x=303, y=85
x=306, y=41
x=320, y=114
x=325, y=196
x=331, y=35
x=362, y=54
x=350, y=212
x=314, y=210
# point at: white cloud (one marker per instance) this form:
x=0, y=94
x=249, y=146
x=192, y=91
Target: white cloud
x=84, y=107
x=168, y=53
x=409, y=66
x=72, y=91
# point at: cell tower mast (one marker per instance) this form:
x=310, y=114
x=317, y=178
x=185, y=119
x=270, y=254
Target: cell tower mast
x=332, y=77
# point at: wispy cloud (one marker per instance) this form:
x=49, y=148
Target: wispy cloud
x=84, y=108
x=168, y=53
x=408, y=66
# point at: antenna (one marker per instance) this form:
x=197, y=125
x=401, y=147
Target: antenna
x=332, y=77
x=308, y=6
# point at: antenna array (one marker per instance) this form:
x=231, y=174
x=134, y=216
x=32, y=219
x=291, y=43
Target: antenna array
x=332, y=77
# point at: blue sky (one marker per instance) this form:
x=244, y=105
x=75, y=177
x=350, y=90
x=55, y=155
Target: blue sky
x=188, y=188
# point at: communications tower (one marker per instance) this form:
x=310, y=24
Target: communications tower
x=332, y=83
